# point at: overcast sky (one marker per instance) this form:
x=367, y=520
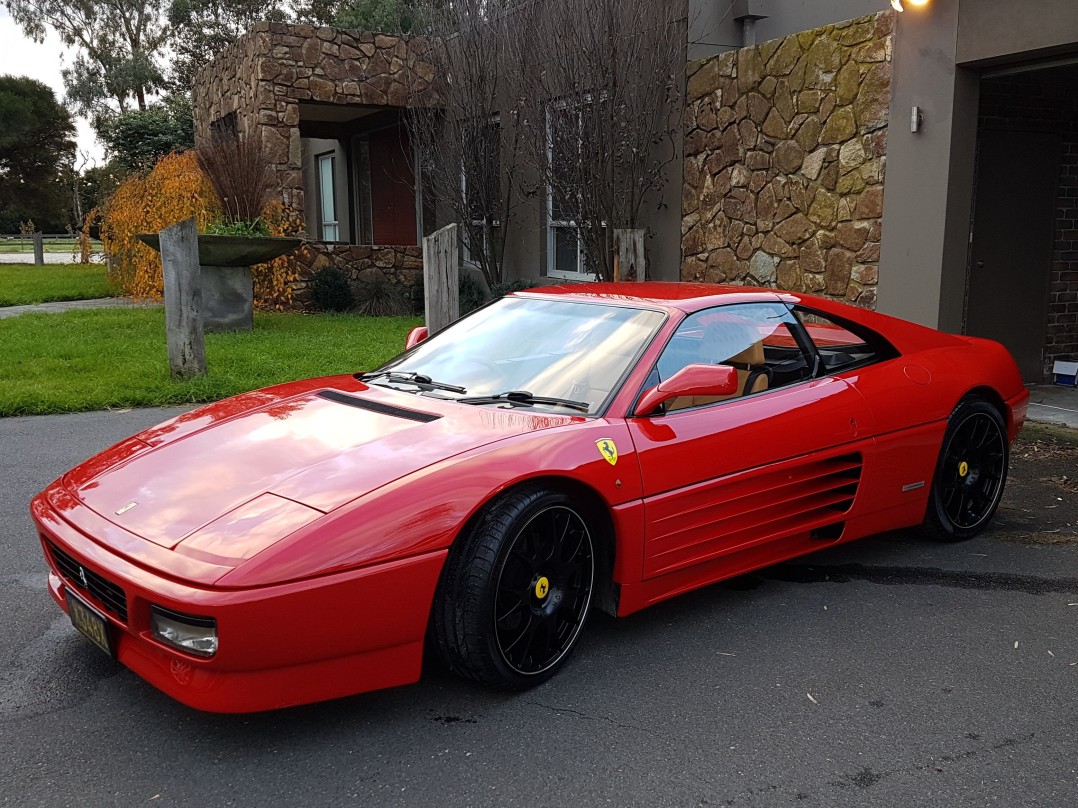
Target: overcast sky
x=21, y=56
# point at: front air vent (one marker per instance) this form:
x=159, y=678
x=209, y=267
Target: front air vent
x=377, y=406
x=83, y=579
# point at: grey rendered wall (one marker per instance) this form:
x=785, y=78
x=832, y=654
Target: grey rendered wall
x=939, y=51
x=713, y=28
x=994, y=30
x=928, y=191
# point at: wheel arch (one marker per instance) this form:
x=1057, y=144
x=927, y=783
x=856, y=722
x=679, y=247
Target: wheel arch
x=599, y=520
x=990, y=395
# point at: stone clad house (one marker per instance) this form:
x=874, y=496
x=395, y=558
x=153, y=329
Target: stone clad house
x=327, y=105
x=923, y=162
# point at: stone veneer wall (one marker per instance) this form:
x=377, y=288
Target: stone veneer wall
x=362, y=262
x=1032, y=100
x=784, y=161
x=264, y=75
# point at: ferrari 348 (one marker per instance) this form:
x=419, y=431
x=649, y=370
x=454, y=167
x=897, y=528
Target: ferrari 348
x=561, y=450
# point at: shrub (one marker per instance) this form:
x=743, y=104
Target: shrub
x=470, y=294
x=416, y=298
x=382, y=299
x=330, y=290
x=174, y=190
x=505, y=287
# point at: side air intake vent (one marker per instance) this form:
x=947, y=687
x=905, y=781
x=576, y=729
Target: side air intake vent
x=737, y=512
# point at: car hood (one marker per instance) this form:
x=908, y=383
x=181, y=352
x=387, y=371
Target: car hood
x=319, y=447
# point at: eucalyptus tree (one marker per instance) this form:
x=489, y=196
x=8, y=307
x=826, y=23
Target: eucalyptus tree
x=117, y=48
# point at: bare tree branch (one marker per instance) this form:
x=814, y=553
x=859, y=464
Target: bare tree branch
x=466, y=129
x=604, y=79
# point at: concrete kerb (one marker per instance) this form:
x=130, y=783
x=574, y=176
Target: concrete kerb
x=59, y=306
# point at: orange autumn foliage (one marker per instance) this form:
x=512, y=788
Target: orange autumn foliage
x=176, y=189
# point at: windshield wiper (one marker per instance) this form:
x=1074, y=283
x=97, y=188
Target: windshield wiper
x=418, y=379
x=527, y=399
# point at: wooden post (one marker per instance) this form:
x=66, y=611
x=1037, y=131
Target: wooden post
x=629, y=259
x=183, y=300
x=39, y=249
x=440, y=278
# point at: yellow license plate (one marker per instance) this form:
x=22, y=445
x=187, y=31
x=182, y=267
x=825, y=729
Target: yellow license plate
x=89, y=621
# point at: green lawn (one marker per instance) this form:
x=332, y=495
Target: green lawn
x=108, y=358
x=21, y=284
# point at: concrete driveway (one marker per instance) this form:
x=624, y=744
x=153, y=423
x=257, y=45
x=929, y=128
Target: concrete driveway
x=892, y=672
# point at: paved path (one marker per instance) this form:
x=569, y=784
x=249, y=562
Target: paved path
x=73, y=305
x=62, y=257
x=1053, y=404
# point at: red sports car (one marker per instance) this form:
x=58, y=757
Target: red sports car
x=558, y=451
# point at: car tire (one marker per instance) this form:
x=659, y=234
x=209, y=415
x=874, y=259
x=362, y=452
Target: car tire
x=970, y=474
x=516, y=590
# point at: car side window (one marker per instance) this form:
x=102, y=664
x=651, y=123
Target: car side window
x=760, y=340
x=842, y=345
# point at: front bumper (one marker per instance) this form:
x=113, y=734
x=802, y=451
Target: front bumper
x=283, y=645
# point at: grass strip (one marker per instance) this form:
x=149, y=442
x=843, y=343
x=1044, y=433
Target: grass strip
x=24, y=284
x=114, y=358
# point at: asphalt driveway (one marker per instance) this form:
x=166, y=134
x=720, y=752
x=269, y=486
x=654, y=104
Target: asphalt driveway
x=891, y=672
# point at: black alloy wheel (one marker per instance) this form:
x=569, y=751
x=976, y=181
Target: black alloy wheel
x=970, y=474
x=544, y=590
x=516, y=592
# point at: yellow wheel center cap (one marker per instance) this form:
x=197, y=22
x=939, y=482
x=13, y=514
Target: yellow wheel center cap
x=963, y=469
x=542, y=587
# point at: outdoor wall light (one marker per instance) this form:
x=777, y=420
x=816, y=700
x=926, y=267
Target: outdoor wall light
x=897, y=4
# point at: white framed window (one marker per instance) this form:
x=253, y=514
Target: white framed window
x=566, y=257
x=327, y=195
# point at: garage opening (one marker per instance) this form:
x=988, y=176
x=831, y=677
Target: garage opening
x=1022, y=278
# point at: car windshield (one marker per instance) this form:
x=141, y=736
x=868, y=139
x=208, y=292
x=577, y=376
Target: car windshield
x=573, y=352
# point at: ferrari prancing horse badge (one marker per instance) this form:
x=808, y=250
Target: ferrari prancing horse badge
x=608, y=450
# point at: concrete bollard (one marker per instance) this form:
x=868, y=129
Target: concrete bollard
x=183, y=300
